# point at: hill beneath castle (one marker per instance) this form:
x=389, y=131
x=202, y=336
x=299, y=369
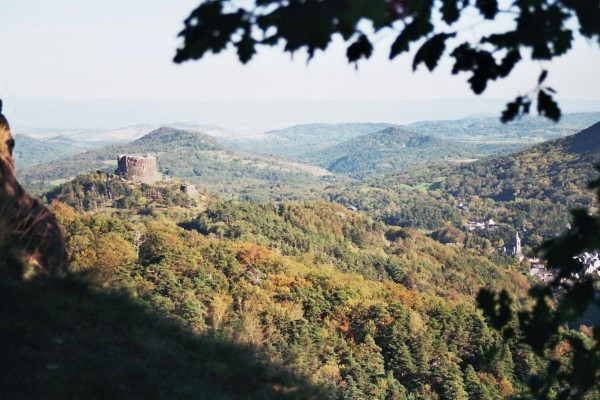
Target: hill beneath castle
x=192, y=156
x=554, y=173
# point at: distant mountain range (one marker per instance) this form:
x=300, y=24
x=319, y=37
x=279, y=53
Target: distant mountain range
x=33, y=116
x=557, y=171
x=491, y=136
x=297, y=162
x=534, y=187
x=293, y=142
x=528, y=129
x=187, y=155
x=483, y=135
x=391, y=149
x=30, y=152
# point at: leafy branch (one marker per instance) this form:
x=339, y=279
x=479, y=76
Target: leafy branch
x=546, y=28
x=544, y=326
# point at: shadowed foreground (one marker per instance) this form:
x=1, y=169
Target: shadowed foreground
x=66, y=339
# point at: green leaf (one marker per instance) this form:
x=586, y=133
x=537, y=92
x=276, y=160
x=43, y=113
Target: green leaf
x=516, y=108
x=483, y=69
x=245, y=48
x=508, y=62
x=542, y=77
x=588, y=15
x=449, y=9
x=412, y=32
x=208, y=28
x=361, y=48
x=547, y=107
x=512, y=110
x=301, y=25
x=488, y=8
x=431, y=51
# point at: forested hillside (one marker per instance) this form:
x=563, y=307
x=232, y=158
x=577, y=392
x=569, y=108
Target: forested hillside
x=291, y=142
x=556, y=171
x=195, y=157
x=486, y=133
x=438, y=260
x=352, y=306
x=320, y=299
x=98, y=191
x=386, y=151
x=205, y=161
x=527, y=129
x=72, y=339
x=531, y=190
x=31, y=152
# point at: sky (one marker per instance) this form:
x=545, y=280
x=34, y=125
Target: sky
x=123, y=49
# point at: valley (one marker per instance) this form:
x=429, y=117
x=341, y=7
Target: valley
x=332, y=261
x=395, y=175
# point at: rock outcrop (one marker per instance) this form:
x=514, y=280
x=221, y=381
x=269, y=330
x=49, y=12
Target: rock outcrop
x=30, y=237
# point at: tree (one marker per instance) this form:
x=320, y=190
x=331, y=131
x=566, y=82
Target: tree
x=537, y=30
x=534, y=29
x=556, y=306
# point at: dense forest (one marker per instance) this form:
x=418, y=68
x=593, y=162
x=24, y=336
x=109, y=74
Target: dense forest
x=341, y=261
x=365, y=288
x=194, y=157
x=530, y=190
x=386, y=151
x=355, y=306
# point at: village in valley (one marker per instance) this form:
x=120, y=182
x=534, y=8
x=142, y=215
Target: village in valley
x=589, y=260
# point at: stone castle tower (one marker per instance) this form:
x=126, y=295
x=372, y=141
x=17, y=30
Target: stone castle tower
x=138, y=168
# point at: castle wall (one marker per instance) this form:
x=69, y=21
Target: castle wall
x=138, y=168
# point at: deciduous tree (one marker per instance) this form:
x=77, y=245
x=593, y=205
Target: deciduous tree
x=506, y=34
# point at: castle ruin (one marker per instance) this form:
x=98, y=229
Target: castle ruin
x=138, y=168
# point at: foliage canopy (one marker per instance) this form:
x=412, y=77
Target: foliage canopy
x=506, y=34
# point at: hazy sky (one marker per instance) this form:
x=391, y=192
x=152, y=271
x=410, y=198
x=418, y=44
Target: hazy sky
x=122, y=49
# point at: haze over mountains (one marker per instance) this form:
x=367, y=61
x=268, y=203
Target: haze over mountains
x=340, y=144
x=536, y=172
x=385, y=151
x=51, y=117
x=309, y=162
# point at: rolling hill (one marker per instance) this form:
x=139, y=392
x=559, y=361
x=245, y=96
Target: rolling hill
x=192, y=156
x=487, y=133
x=300, y=139
x=385, y=151
x=532, y=190
x=556, y=171
x=30, y=152
x=526, y=130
